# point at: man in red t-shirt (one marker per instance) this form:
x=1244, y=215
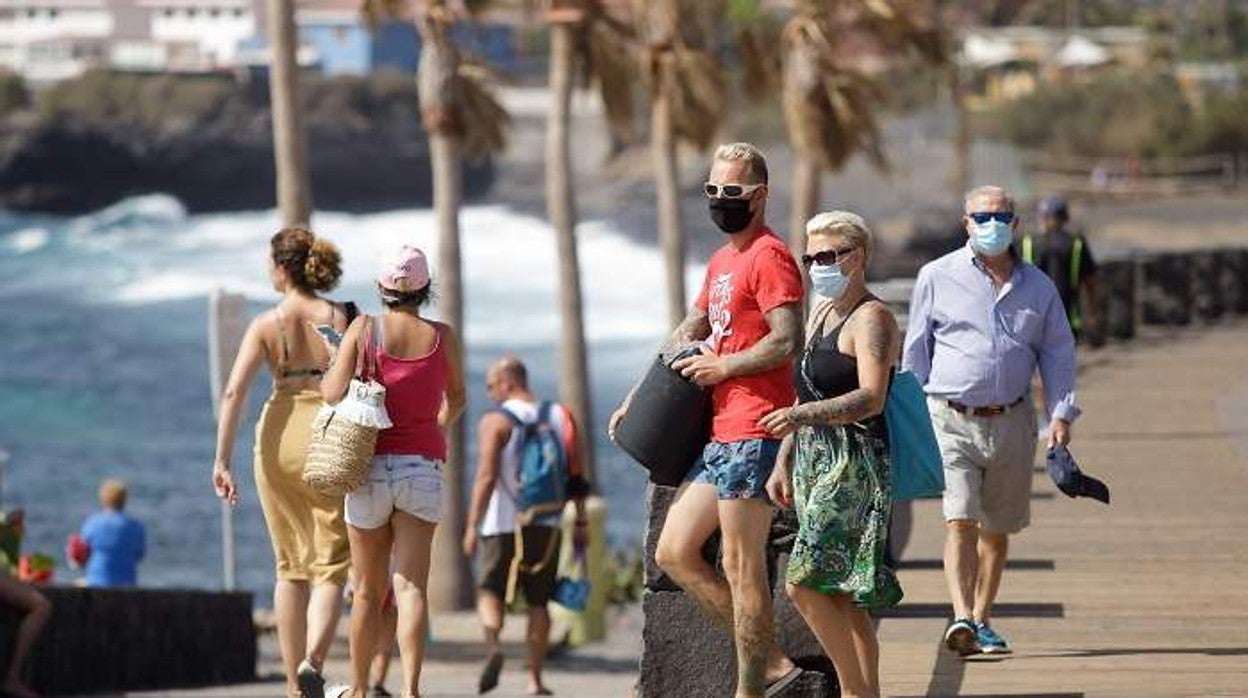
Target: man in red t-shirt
x=748, y=320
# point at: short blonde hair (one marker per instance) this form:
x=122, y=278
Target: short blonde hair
x=750, y=154
x=113, y=494
x=850, y=226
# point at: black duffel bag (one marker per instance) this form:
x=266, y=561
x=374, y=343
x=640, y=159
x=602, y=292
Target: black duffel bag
x=667, y=424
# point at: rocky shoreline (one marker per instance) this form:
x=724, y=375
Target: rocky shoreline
x=66, y=170
x=208, y=142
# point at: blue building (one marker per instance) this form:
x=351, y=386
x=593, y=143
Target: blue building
x=335, y=40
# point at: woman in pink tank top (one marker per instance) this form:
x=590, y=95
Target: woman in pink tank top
x=395, y=512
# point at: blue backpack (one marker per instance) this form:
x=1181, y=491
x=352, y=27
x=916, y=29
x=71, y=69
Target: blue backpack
x=542, y=464
x=914, y=455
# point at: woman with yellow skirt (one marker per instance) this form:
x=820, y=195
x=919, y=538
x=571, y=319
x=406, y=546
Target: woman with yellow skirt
x=295, y=340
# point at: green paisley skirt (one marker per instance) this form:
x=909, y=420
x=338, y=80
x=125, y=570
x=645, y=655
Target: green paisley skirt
x=841, y=495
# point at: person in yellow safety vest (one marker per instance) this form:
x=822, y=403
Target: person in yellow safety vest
x=1065, y=257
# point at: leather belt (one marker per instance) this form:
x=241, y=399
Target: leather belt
x=985, y=411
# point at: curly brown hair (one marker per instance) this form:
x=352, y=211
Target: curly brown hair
x=312, y=264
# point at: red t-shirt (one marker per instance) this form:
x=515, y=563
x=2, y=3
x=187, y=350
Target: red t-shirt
x=741, y=287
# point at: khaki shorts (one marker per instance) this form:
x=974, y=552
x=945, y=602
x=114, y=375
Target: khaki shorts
x=496, y=556
x=988, y=465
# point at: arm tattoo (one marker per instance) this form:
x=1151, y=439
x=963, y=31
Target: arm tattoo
x=695, y=327
x=879, y=335
x=779, y=346
x=842, y=409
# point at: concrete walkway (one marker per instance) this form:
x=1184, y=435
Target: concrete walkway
x=1148, y=596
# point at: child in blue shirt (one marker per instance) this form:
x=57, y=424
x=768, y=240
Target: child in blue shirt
x=117, y=541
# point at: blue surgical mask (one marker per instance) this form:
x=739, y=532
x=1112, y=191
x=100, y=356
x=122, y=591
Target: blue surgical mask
x=991, y=238
x=828, y=280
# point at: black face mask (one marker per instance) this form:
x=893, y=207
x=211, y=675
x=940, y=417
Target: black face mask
x=731, y=215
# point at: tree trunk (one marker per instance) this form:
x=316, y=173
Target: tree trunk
x=450, y=586
x=667, y=181
x=294, y=188
x=561, y=208
x=806, y=188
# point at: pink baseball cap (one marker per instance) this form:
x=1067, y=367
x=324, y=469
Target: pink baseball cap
x=405, y=271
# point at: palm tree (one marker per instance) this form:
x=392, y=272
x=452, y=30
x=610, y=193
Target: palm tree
x=830, y=106
x=463, y=120
x=294, y=187
x=686, y=103
x=575, y=24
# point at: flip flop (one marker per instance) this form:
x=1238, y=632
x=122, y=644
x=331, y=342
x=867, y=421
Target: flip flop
x=777, y=687
x=489, y=674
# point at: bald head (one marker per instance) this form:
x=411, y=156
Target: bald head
x=507, y=378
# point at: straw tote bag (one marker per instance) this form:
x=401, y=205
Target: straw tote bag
x=344, y=435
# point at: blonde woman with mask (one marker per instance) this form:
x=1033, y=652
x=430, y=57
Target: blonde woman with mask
x=838, y=480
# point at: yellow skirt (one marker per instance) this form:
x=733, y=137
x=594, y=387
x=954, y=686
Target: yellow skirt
x=307, y=529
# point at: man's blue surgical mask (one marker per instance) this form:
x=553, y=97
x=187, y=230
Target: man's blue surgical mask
x=828, y=280
x=992, y=237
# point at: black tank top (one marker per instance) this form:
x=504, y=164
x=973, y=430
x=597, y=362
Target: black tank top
x=824, y=372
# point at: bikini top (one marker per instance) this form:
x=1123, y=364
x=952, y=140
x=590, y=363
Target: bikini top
x=327, y=332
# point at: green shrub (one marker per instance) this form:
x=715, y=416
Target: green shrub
x=1120, y=115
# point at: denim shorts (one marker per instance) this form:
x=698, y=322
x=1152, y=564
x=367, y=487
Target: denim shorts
x=411, y=484
x=738, y=469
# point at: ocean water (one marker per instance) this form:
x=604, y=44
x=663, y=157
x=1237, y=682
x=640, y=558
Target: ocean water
x=104, y=371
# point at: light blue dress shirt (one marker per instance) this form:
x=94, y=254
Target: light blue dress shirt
x=973, y=343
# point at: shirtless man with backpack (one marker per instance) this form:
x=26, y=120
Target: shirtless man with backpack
x=528, y=468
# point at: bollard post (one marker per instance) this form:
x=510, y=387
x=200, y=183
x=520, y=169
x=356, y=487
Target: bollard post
x=589, y=625
x=227, y=322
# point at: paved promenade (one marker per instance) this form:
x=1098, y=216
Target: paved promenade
x=1148, y=596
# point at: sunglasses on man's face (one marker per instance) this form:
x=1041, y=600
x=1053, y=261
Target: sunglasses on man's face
x=729, y=191
x=983, y=217
x=826, y=257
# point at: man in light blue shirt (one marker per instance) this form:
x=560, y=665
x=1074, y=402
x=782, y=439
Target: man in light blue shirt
x=117, y=541
x=982, y=322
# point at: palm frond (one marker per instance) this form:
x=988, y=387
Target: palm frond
x=758, y=47
x=697, y=94
x=483, y=123
x=895, y=27
x=677, y=64
x=829, y=109
x=455, y=94
x=611, y=63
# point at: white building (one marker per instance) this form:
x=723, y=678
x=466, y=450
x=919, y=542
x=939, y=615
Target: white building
x=215, y=26
x=49, y=40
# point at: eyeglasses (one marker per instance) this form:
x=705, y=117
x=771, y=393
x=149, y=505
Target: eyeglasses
x=826, y=257
x=729, y=191
x=983, y=217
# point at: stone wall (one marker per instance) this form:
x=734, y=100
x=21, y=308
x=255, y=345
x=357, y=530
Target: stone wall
x=114, y=640
x=684, y=654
